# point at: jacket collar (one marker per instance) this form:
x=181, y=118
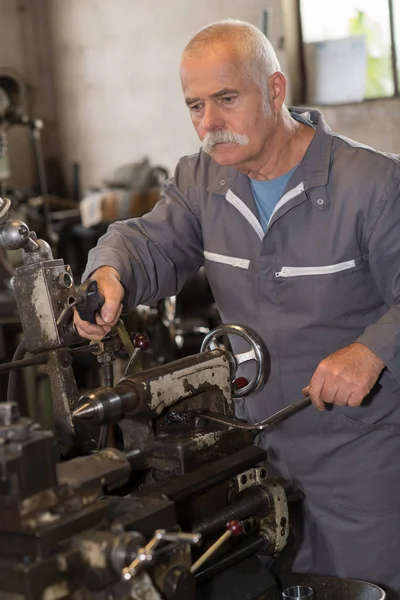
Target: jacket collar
x=313, y=169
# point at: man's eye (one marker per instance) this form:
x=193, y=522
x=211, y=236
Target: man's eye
x=195, y=107
x=228, y=99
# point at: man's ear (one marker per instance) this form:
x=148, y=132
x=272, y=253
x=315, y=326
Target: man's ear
x=277, y=90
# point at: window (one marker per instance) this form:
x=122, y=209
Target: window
x=349, y=49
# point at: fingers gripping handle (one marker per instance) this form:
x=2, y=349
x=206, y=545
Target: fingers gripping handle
x=89, y=301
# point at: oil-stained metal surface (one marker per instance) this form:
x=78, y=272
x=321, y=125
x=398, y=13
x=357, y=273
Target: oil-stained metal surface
x=142, y=588
x=94, y=552
x=95, y=471
x=41, y=295
x=57, y=591
x=181, y=454
x=137, y=435
x=207, y=475
x=186, y=378
x=276, y=524
x=65, y=395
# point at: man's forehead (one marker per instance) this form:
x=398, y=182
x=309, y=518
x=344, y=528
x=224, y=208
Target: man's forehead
x=223, y=65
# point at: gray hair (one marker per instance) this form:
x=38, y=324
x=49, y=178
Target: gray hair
x=256, y=51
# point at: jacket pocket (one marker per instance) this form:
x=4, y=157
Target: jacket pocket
x=343, y=294
x=241, y=263
x=321, y=270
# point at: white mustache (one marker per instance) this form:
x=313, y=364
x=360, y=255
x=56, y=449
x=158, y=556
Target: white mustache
x=223, y=136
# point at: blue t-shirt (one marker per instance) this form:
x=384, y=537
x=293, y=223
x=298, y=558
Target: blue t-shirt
x=268, y=193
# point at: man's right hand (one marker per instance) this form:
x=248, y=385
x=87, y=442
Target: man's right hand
x=110, y=287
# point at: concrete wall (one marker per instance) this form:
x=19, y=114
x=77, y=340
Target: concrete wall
x=117, y=76
x=374, y=122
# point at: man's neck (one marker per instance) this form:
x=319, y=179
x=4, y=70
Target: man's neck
x=282, y=151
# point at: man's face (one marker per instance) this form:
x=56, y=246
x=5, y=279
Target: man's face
x=226, y=107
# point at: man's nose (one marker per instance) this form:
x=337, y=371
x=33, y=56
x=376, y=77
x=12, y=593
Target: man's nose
x=212, y=119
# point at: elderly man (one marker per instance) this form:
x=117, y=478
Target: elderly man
x=299, y=231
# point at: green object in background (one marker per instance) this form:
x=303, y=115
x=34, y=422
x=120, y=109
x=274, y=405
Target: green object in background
x=379, y=70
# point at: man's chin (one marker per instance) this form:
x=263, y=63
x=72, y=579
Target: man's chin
x=225, y=160
x=225, y=154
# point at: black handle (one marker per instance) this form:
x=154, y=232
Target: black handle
x=89, y=301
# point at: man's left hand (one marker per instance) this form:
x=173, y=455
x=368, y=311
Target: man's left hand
x=344, y=377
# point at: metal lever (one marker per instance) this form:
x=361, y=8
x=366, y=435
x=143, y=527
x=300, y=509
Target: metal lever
x=88, y=301
x=232, y=528
x=261, y=425
x=141, y=343
x=145, y=555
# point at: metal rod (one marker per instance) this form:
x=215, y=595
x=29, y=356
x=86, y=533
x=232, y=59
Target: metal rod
x=211, y=550
x=246, y=549
x=42, y=359
x=88, y=349
x=39, y=359
x=261, y=425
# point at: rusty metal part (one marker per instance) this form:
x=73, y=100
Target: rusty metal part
x=56, y=533
x=206, y=476
x=106, y=469
x=40, y=300
x=182, y=453
x=275, y=526
x=65, y=395
x=137, y=435
x=261, y=425
x=152, y=391
x=245, y=480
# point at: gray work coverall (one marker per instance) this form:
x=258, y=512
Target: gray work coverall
x=325, y=274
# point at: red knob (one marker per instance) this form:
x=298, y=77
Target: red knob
x=235, y=527
x=141, y=341
x=240, y=382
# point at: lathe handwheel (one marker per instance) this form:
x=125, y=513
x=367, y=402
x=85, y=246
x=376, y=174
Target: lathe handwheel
x=256, y=353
